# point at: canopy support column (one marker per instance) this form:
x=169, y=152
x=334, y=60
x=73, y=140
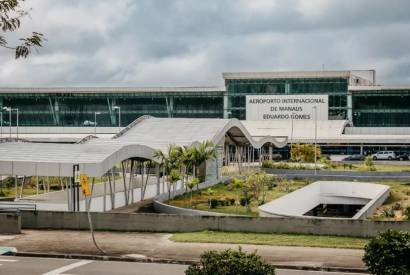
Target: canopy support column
x=158, y=179
x=105, y=194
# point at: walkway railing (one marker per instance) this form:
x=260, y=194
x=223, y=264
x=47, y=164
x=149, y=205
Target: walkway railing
x=4, y=206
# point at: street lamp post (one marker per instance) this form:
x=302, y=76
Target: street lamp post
x=17, y=122
x=291, y=135
x=1, y=124
x=8, y=109
x=119, y=115
x=315, y=110
x=95, y=122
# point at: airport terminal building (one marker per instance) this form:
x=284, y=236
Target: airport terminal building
x=348, y=100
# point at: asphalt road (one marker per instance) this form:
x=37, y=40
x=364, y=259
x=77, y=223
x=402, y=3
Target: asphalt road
x=51, y=266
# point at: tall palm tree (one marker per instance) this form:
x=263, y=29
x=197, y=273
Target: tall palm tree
x=204, y=151
x=169, y=160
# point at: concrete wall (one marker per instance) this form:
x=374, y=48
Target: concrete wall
x=181, y=223
x=10, y=223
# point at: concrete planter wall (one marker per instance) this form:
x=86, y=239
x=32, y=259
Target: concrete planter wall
x=188, y=223
x=10, y=223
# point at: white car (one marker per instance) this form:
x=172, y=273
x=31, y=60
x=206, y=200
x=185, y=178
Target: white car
x=389, y=155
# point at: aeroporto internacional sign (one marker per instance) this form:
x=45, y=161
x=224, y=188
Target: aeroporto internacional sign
x=284, y=107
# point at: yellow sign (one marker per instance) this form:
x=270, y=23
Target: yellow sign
x=85, y=185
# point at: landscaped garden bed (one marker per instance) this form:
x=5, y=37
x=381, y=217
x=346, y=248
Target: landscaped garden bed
x=243, y=196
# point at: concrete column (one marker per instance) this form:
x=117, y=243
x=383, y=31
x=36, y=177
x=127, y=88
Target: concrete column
x=349, y=107
x=15, y=187
x=158, y=179
x=225, y=105
x=361, y=149
x=270, y=152
x=105, y=195
x=113, y=188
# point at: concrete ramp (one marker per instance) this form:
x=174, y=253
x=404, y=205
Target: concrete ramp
x=365, y=197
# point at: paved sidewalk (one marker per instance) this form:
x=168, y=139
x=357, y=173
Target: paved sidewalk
x=157, y=245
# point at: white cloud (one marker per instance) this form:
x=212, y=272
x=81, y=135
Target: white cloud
x=190, y=42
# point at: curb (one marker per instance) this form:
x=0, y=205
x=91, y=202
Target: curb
x=173, y=261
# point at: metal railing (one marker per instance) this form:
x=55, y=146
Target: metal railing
x=4, y=206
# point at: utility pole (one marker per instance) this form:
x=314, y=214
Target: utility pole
x=315, y=110
x=119, y=115
x=95, y=122
x=8, y=109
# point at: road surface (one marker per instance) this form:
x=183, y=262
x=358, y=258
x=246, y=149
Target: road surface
x=51, y=266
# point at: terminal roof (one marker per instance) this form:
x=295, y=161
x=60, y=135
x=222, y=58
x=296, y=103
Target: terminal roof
x=110, y=89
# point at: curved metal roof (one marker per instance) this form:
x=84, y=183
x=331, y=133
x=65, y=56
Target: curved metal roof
x=96, y=156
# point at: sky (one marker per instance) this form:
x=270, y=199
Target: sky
x=191, y=42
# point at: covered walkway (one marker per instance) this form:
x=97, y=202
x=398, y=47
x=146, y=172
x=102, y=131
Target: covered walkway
x=103, y=157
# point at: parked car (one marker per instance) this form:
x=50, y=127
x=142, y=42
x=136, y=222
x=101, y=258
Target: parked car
x=383, y=155
x=402, y=156
x=355, y=157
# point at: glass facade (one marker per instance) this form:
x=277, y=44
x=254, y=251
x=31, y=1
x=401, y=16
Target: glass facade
x=364, y=105
x=381, y=108
x=77, y=109
x=336, y=88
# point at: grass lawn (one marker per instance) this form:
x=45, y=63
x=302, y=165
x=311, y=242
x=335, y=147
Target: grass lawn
x=223, y=191
x=400, y=194
x=270, y=239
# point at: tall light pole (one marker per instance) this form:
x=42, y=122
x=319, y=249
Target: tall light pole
x=95, y=122
x=17, y=123
x=315, y=111
x=119, y=115
x=291, y=135
x=8, y=109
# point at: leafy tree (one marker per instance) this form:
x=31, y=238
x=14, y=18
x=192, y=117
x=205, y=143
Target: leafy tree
x=388, y=253
x=237, y=184
x=230, y=262
x=173, y=178
x=369, y=164
x=202, y=152
x=305, y=152
x=256, y=185
x=11, y=13
x=191, y=184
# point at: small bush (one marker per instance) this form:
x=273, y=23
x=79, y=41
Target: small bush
x=407, y=212
x=388, y=213
x=244, y=201
x=230, y=262
x=388, y=253
x=213, y=203
x=397, y=206
x=369, y=164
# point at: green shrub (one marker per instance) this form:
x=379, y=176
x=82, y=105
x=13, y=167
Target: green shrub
x=230, y=262
x=244, y=201
x=267, y=164
x=213, y=203
x=388, y=213
x=388, y=253
x=369, y=164
x=397, y=206
x=305, y=152
x=407, y=212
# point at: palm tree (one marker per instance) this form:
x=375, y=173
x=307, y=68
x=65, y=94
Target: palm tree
x=170, y=160
x=204, y=151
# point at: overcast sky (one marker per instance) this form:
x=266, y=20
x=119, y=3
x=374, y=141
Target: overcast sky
x=191, y=42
